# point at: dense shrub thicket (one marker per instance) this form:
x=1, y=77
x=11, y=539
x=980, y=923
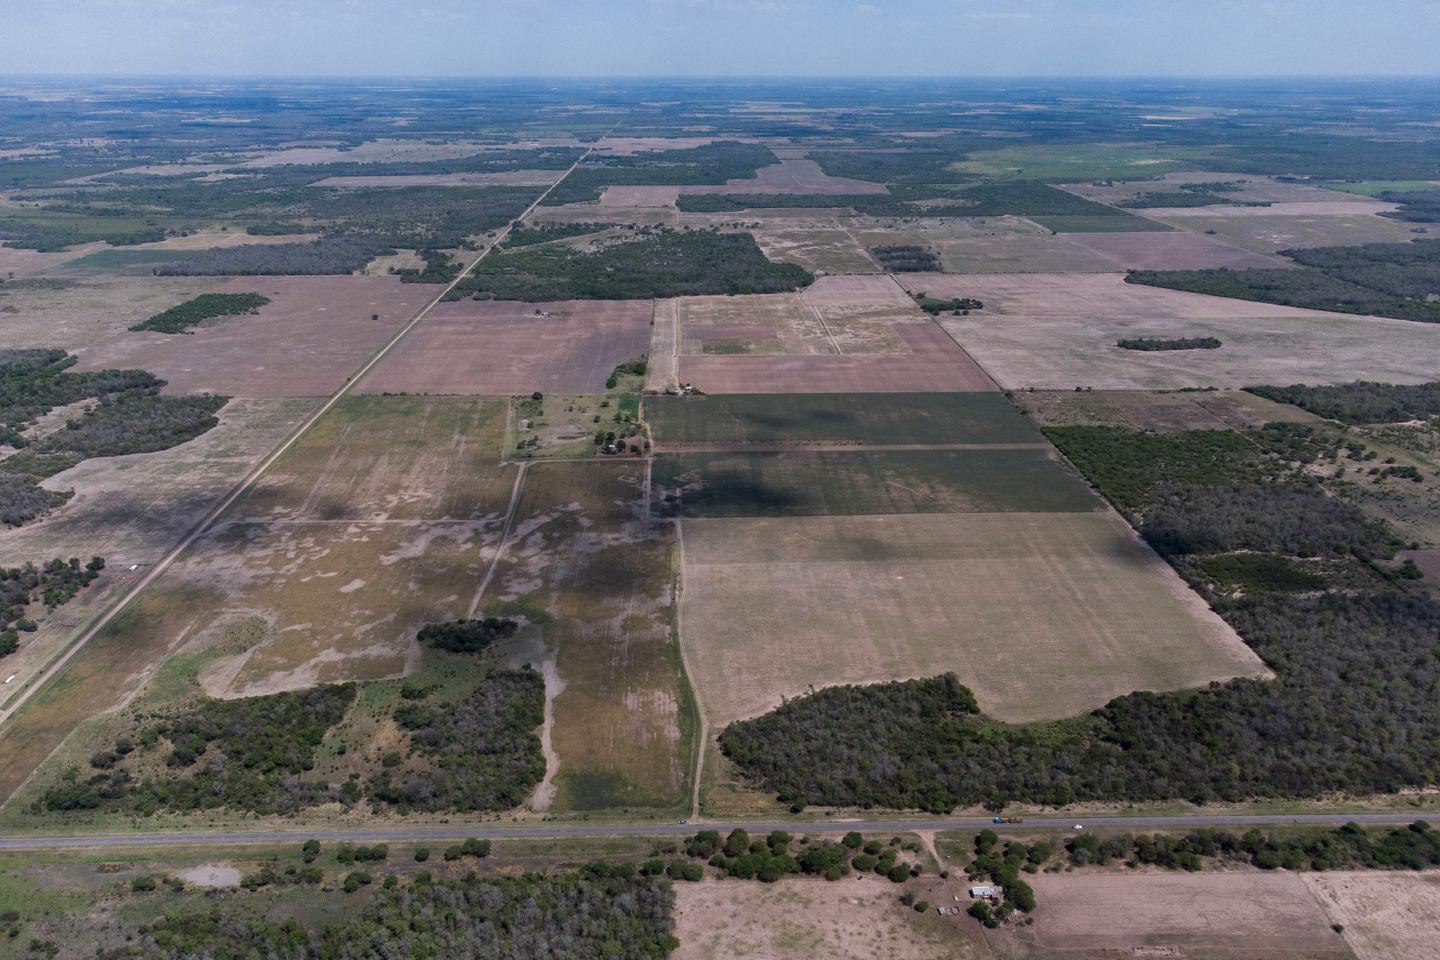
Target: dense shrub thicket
x=1417, y=206
x=181, y=317
x=956, y=305
x=439, y=267
x=328, y=255
x=247, y=754
x=481, y=753
x=1387, y=279
x=664, y=263
x=1415, y=847
x=601, y=912
x=1361, y=402
x=467, y=636
x=1354, y=706
x=525, y=235
x=906, y=258
x=1169, y=343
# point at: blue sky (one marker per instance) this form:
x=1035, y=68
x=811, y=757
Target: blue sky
x=721, y=37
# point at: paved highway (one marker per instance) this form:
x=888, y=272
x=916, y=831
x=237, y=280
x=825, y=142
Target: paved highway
x=561, y=830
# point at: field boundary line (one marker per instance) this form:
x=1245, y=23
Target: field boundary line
x=702, y=726
x=958, y=345
x=56, y=667
x=510, y=511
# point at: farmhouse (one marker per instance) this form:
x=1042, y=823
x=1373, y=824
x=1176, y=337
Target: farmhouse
x=984, y=893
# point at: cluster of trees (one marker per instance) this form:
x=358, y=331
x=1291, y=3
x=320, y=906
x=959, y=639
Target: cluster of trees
x=1202, y=194
x=481, y=753
x=328, y=255
x=906, y=258
x=181, y=317
x=1416, y=847
x=1353, y=706
x=247, y=754
x=440, y=267
x=22, y=499
x=1417, y=206
x=630, y=368
x=662, y=263
x=955, y=305
x=770, y=858
x=1002, y=867
x=467, y=636
x=1169, y=343
x=525, y=235
x=1361, y=401
x=600, y=912
x=1386, y=279
x=712, y=163
x=49, y=236
x=54, y=583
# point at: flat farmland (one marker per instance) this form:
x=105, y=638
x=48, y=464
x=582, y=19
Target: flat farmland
x=792, y=175
x=876, y=418
x=1042, y=615
x=1386, y=915
x=1239, y=186
x=584, y=551
x=69, y=313
x=930, y=361
x=856, y=482
x=1267, y=232
x=638, y=196
x=1327, y=207
x=1206, y=916
x=1176, y=250
x=501, y=348
x=767, y=323
x=383, y=517
x=1053, y=331
x=840, y=299
x=819, y=249
x=19, y=262
x=1159, y=411
x=314, y=333
x=857, y=919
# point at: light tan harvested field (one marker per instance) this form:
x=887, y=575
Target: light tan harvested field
x=385, y=151
x=791, y=175
x=1041, y=615
x=1386, y=916
x=1059, y=331
x=314, y=333
x=509, y=178
x=18, y=262
x=933, y=363
x=984, y=244
x=1160, y=411
x=498, y=347
x=1250, y=188
x=131, y=509
x=1329, y=207
x=629, y=146
x=1268, y=233
x=1235, y=915
x=209, y=239
x=601, y=213
x=1175, y=250
x=74, y=312
x=640, y=196
x=858, y=918
x=819, y=249
x=583, y=549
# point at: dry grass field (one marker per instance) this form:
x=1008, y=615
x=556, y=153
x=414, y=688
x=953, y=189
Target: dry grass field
x=1176, y=250
x=583, y=550
x=791, y=175
x=1042, y=615
x=1059, y=331
x=509, y=178
x=1329, y=206
x=1206, y=916
x=502, y=348
x=71, y=313
x=1386, y=916
x=1154, y=410
x=312, y=335
x=1249, y=187
x=817, y=245
x=857, y=918
x=984, y=244
x=1264, y=230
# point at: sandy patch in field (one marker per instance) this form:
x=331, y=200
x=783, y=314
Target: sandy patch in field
x=1176, y=250
x=1387, y=916
x=858, y=918
x=791, y=175
x=1059, y=331
x=1042, y=615
x=73, y=313
x=1237, y=915
x=1305, y=208
x=501, y=347
x=638, y=196
x=211, y=875
x=929, y=360
x=315, y=332
x=507, y=178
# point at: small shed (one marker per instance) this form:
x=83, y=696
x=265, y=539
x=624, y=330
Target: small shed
x=982, y=893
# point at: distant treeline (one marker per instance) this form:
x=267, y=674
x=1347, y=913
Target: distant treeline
x=1168, y=343
x=1361, y=402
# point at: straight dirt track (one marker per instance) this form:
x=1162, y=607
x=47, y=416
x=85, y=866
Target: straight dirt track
x=12, y=778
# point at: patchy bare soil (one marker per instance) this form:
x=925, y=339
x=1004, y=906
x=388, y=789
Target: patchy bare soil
x=1386, y=916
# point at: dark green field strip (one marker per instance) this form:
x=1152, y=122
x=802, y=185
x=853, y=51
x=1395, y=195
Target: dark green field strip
x=860, y=482
x=884, y=418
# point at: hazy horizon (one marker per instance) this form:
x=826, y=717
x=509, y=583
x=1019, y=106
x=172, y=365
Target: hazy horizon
x=1229, y=39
